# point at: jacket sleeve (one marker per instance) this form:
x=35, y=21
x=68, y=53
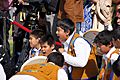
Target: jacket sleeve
x=82, y=51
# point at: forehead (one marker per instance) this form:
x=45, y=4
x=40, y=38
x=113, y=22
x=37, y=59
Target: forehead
x=32, y=36
x=60, y=28
x=44, y=44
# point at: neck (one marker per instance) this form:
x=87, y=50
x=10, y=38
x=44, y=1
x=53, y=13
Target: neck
x=38, y=47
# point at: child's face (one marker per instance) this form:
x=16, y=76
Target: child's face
x=46, y=49
x=116, y=43
x=61, y=34
x=118, y=14
x=33, y=41
x=103, y=48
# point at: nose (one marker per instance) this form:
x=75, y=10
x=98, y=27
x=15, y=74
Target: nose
x=56, y=32
x=29, y=40
x=42, y=48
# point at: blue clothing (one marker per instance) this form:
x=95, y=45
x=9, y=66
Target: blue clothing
x=87, y=24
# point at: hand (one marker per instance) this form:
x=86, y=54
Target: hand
x=21, y=1
x=61, y=50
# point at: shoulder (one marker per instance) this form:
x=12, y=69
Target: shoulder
x=81, y=40
x=115, y=54
x=62, y=74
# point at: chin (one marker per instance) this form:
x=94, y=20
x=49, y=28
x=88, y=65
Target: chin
x=31, y=46
x=60, y=40
x=118, y=23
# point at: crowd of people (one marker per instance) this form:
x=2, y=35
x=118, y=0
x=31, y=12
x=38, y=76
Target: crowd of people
x=68, y=54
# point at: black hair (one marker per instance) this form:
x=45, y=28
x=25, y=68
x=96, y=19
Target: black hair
x=104, y=37
x=118, y=3
x=115, y=25
x=116, y=67
x=37, y=33
x=47, y=38
x=57, y=58
x=116, y=33
x=66, y=24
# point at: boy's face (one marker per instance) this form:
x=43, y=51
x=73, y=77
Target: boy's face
x=116, y=43
x=33, y=41
x=61, y=34
x=118, y=13
x=103, y=48
x=46, y=49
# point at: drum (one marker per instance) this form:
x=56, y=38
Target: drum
x=90, y=35
x=34, y=60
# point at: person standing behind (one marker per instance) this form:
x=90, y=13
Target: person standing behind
x=116, y=38
x=4, y=38
x=116, y=23
x=116, y=43
x=74, y=12
x=118, y=13
x=78, y=53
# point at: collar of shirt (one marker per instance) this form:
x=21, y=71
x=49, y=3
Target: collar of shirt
x=66, y=43
x=36, y=51
x=109, y=53
x=51, y=63
x=54, y=50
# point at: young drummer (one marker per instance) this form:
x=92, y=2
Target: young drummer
x=78, y=53
x=104, y=41
x=51, y=70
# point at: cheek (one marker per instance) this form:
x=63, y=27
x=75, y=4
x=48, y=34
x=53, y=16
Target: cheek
x=118, y=21
x=30, y=42
x=103, y=50
x=60, y=33
x=116, y=44
x=31, y=45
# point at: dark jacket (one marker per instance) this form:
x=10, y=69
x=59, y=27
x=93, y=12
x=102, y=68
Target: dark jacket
x=4, y=4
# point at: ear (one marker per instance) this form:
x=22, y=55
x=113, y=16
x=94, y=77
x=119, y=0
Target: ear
x=46, y=60
x=67, y=32
x=38, y=39
x=118, y=40
x=53, y=46
x=111, y=44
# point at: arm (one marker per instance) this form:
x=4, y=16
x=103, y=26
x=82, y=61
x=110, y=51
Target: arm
x=113, y=58
x=2, y=73
x=82, y=52
x=62, y=75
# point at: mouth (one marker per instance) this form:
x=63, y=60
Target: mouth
x=43, y=52
x=58, y=37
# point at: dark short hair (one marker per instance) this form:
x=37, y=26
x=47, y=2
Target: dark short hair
x=116, y=33
x=57, y=58
x=104, y=37
x=47, y=38
x=37, y=33
x=66, y=24
x=118, y=3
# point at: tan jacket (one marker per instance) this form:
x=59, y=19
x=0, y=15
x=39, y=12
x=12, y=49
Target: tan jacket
x=72, y=9
x=45, y=71
x=90, y=70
